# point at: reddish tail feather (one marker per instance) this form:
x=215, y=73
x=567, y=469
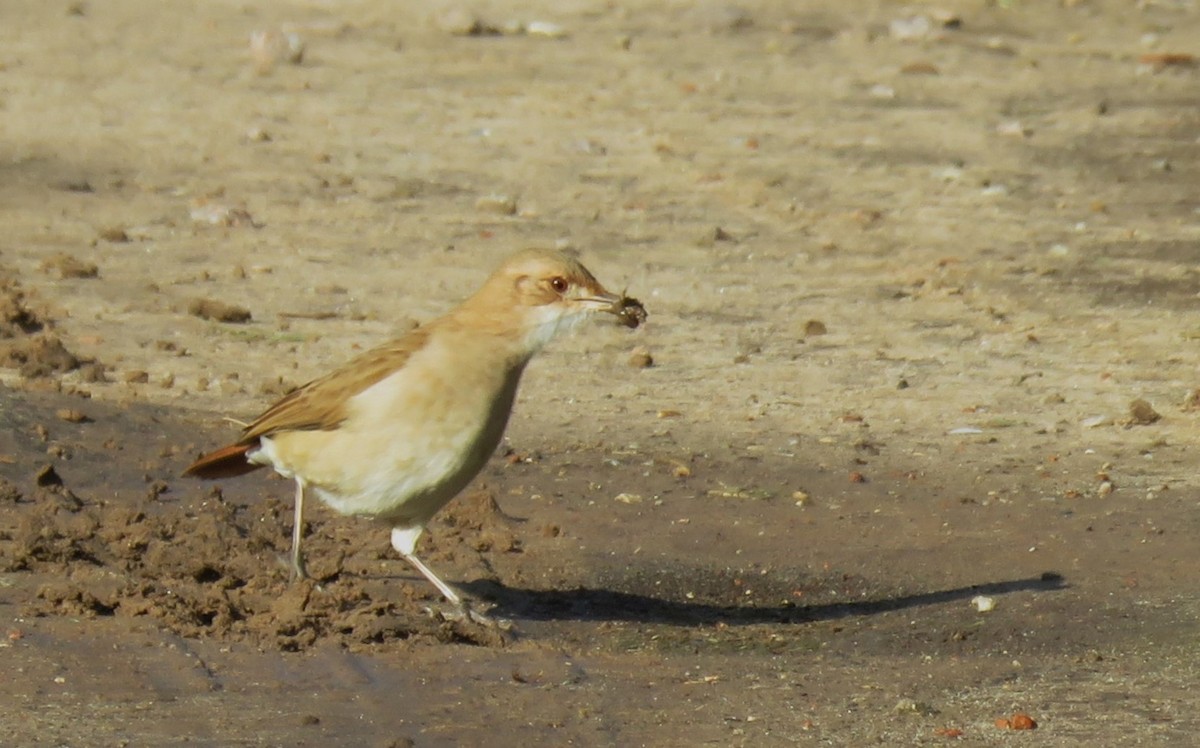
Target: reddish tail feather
x=226, y=462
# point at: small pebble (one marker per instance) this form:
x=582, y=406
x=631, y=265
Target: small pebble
x=71, y=415
x=499, y=204
x=640, y=358
x=882, y=91
x=66, y=266
x=983, y=603
x=920, y=67
x=114, y=234
x=545, y=28
x=911, y=28
x=1142, y=413
x=218, y=214
x=218, y=311
x=1013, y=128
x=275, y=47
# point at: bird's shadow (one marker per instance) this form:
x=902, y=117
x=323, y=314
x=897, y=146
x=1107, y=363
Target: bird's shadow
x=588, y=604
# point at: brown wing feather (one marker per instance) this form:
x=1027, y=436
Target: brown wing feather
x=226, y=462
x=318, y=405
x=321, y=404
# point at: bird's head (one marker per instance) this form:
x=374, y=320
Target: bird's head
x=541, y=292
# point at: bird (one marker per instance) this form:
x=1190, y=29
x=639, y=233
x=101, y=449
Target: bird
x=401, y=429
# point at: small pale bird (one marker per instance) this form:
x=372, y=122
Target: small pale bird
x=400, y=430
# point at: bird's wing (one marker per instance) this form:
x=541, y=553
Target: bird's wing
x=321, y=404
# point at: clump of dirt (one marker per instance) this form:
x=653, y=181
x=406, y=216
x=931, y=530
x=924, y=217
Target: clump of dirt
x=26, y=342
x=219, y=311
x=209, y=568
x=63, y=266
x=477, y=521
x=16, y=318
x=37, y=357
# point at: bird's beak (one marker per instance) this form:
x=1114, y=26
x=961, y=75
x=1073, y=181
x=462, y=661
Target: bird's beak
x=600, y=300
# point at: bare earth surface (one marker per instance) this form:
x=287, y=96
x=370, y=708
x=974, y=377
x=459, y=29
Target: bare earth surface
x=907, y=273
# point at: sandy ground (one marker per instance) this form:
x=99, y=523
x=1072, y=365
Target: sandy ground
x=908, y=268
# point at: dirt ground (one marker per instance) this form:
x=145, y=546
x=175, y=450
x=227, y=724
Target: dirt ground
x=909, y=269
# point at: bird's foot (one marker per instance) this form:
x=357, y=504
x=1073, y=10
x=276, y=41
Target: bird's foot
x=297, y=569
x=465, y=612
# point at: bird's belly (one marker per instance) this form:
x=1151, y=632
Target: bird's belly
x=399, y=458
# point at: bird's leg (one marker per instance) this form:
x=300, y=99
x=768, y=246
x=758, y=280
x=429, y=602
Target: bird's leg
x=404, y=540
x=298, y=570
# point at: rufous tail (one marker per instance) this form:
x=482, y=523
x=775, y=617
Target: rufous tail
x=226, y=462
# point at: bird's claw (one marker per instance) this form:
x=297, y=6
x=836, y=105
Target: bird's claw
x=464, y=612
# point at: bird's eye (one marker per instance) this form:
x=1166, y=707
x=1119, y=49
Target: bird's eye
x=559, y=284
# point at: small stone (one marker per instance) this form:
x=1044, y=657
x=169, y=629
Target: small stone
x=272, y=47
x=114, y=234
x=67, y=266
x=983, y=603
x=462, y=22
x=920, y=67
x=912, y=706
x=640, y=358
x=219, y=214
x=882, y=91
x=218, y=311
x=911, y=28
x=1013, y=129
x=721, y=235
x=1192, y=400
x=628, y=498
x=548, y=29
x=70, y=415
x=500, y=204
x=137, y=376
x=801, y=498
x=1142, y=413
x=814, y=327
x=1105, y=488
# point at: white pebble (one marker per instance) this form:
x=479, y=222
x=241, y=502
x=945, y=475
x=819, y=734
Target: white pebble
x=983, y=603
x=545, y=28
x=1012, y=128
x=882, y=91
x=965, y=430
x=910, y=29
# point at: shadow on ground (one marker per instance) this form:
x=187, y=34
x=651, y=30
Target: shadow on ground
x=588, y=604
